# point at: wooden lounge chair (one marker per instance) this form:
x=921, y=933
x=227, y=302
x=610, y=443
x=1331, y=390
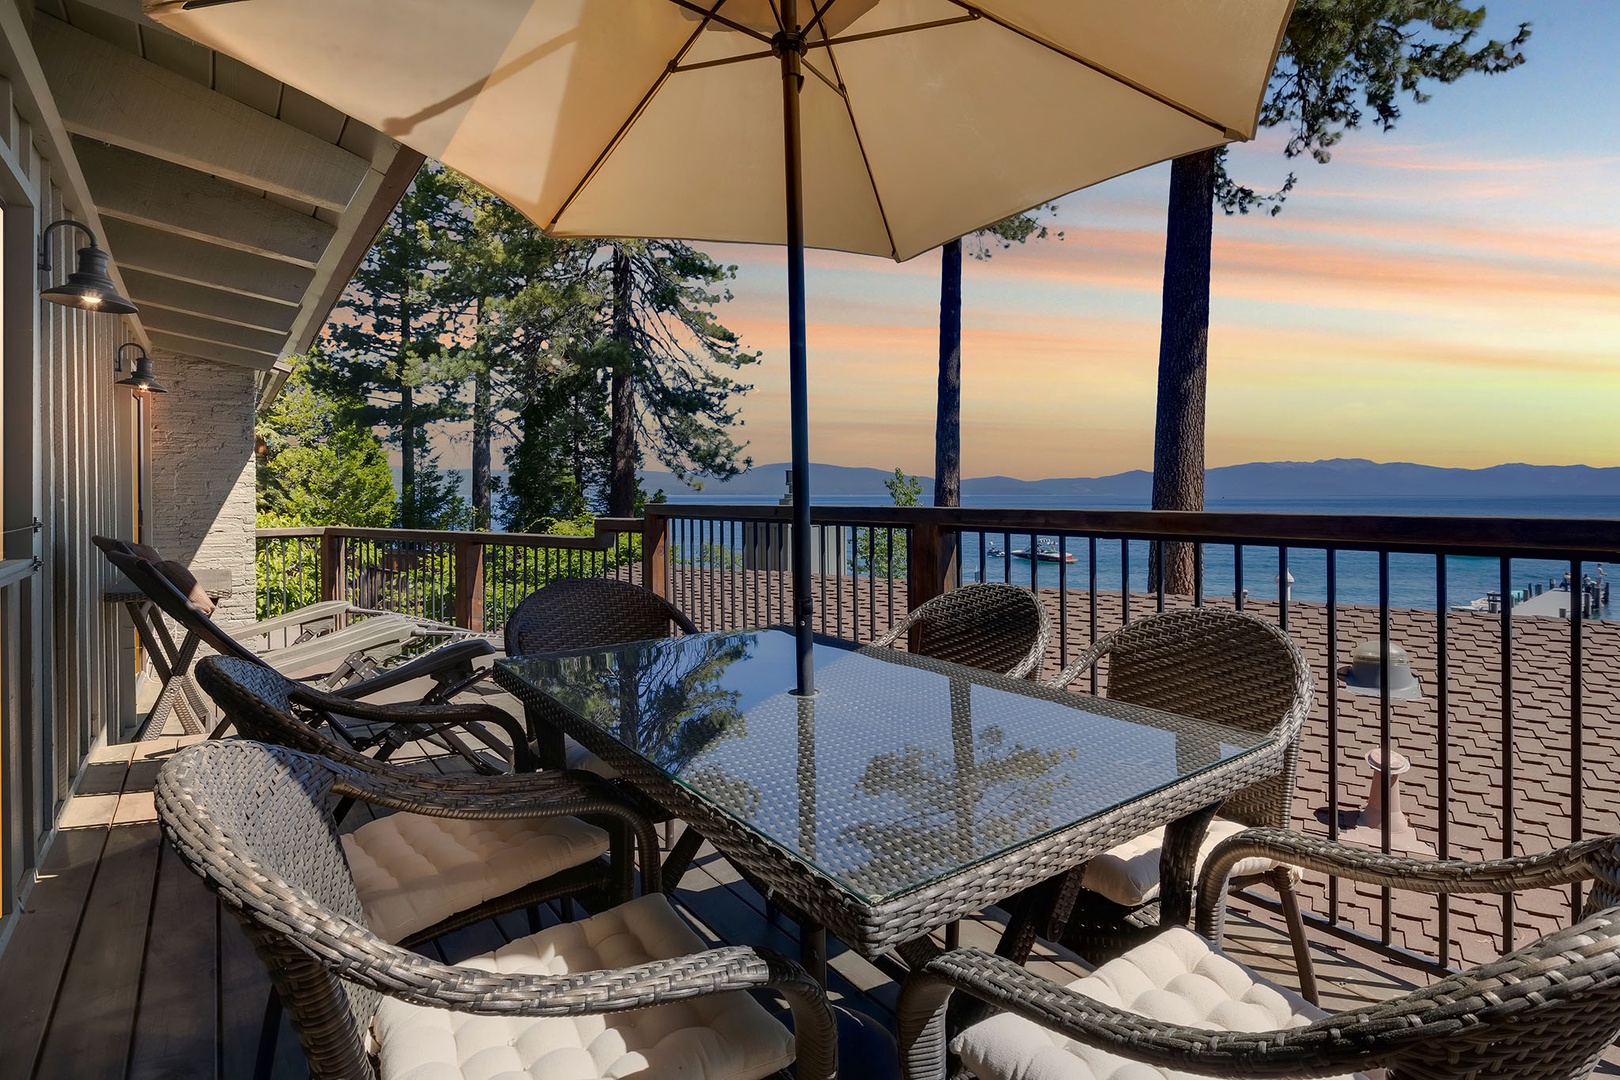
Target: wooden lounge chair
x=450, y=666
x=1176, y=1005
x=997, y=627
x=649, y=997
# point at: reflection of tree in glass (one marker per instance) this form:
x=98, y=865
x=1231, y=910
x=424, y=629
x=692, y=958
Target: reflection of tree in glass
x=958, y=808
x=672, y=706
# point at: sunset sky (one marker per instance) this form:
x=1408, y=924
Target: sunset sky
x=1446, y=293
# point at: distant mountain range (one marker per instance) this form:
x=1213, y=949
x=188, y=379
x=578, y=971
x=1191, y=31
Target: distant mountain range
x=1331, y=479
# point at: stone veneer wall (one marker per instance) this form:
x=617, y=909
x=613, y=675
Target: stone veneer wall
x=202, y=473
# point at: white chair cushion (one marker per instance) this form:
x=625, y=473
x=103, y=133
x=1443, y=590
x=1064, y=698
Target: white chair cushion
x=576, y=756
x=720, y=1037
x=411, y=870
x=1177, y=978
x=1129, y=874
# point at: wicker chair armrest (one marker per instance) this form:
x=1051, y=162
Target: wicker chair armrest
x=553, y=793
x=1082, y=663
x=1563, y=866
x=1009, y=987
x=465, y=715
x=453, y=655
x=895, y=633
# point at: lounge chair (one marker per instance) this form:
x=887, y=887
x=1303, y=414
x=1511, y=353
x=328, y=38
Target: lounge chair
x=649, y=998
x=450, y=666
x=1176, y=1005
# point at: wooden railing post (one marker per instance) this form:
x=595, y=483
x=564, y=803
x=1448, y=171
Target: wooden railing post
x=929, y=566
x=655, y=553
x=470, y=583
x=332, y=578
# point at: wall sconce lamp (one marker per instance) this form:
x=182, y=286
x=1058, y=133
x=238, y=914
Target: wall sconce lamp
x=141, y=379
x=90, y=286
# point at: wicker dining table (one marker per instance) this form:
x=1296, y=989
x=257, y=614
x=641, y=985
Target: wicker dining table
x=907, y=793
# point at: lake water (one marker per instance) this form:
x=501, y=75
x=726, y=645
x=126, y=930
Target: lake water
x=1412, y=578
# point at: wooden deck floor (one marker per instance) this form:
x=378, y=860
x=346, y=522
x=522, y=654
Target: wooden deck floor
x=123, y=965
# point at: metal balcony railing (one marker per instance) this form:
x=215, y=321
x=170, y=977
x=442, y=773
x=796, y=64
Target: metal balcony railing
x=1506, y=719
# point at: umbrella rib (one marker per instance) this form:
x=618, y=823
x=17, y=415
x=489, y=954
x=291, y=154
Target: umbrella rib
x=1108, y=73
x=972, y=16
x=635, y=114
x=866, y=162
x=712, y=14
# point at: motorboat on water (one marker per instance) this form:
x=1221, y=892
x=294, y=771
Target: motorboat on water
x=1045, y=551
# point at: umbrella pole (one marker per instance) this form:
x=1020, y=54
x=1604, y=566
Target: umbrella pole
x=790, y=45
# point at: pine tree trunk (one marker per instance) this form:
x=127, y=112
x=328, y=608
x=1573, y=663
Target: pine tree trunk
x=1178, y=441
x=480, y=449
x=948, y=421
x=622, y=478
x=407, y=458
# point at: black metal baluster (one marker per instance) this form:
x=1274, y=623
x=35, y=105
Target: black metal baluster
x=1577, y=754
x=1239, y=593
x=1091, y=570
x=1125, y=582
x=1507, y=738
x=1443, y=766
x=1332, y=682
x=1282, y=589
x=1198, y=575
x=1063, y=602
x=1386, y=757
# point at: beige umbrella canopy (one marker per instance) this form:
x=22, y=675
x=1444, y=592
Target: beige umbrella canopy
x=891, y=126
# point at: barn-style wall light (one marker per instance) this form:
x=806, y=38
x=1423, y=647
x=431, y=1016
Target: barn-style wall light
x=90, y=286
x=141, y=378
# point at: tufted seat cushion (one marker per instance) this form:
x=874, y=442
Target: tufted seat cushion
x=720, y=1037
x=1178, y=978
x=1129, y=874
x=412, y=871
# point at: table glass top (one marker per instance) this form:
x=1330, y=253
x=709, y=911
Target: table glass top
x=899, y=771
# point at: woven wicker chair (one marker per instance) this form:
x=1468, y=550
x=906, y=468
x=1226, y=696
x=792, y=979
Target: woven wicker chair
x=1218, y=665
x=252, y=821
x=587, y=613
x=1544, y=1012
x=1000, y=628
x=544, y=859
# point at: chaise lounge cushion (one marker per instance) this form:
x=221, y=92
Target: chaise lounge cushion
x=721, y=1037
x=413, y=871
x=1129, y=873
x=1177, y=977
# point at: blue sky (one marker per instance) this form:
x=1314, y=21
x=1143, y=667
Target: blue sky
x=1448, y=292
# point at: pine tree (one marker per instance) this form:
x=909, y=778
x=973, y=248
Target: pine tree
x=948, y=415
x=316, y=468
x=384, y=345
x=1340, y=60
x=666, y=360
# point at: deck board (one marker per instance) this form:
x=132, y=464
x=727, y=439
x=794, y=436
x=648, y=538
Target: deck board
x=94, y=1022
x=177, y=1023
x=32, y=966
x=125, y=966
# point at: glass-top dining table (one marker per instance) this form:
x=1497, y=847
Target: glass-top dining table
x=907, y=792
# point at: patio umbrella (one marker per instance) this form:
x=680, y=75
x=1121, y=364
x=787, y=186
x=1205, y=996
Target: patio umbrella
x=891, y=125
